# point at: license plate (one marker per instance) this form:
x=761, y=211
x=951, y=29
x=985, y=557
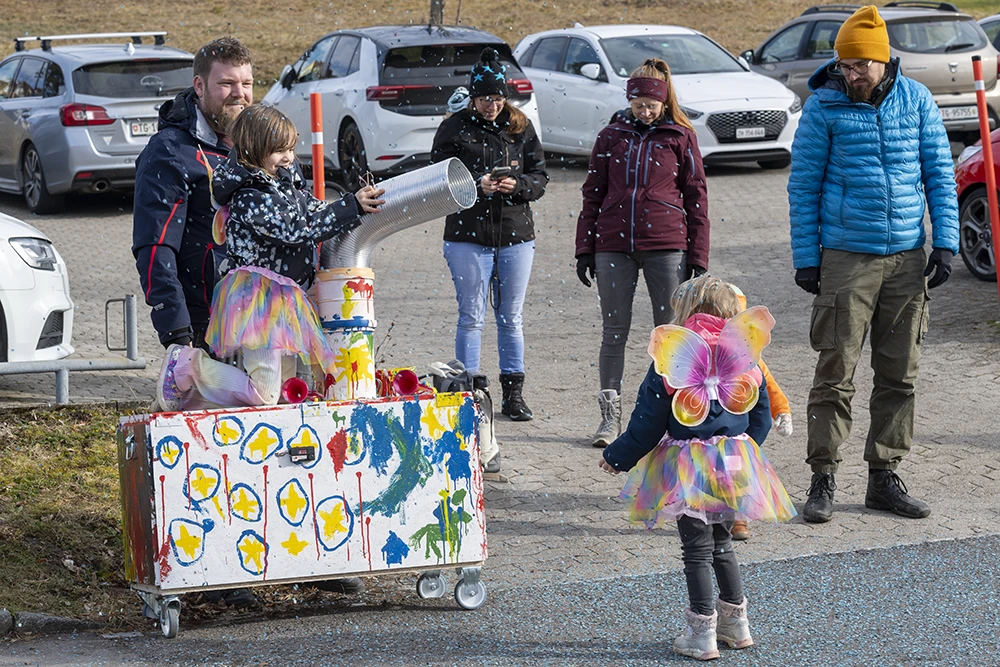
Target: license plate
x=959, y=113
x=142, y=128
x=750, y=133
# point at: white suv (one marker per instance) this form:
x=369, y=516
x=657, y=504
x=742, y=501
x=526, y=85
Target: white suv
x=579, y=77
x=385, y=91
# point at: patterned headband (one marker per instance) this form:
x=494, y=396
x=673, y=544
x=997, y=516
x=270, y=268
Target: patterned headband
x=647, y=87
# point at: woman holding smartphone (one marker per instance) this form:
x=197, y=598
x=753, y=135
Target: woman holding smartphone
x=645, y=206
x=490, y=247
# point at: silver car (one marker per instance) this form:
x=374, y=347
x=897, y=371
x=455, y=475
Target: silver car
x=74, y=118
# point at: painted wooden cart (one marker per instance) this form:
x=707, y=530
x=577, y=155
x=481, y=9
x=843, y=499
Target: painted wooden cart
x=294, y=493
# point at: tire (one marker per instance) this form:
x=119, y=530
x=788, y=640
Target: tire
x=975, y=235
x=777, y=163
x=170, y=620
x=33, y=185
x=352, y=157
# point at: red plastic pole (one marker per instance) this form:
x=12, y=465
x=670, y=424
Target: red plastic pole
x=991, y=181
x=318, y=163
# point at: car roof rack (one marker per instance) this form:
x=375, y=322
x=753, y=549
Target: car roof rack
x=136, y=37
x=830, y=8
x=921, y=4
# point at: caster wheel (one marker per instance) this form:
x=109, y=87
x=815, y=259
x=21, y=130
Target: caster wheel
x=470, y=596
x=170, y=620
x=430, y=586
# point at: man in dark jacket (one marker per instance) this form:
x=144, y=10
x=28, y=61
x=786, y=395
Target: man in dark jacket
x=177, y=261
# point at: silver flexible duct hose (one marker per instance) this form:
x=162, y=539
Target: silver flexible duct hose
x=411, y=199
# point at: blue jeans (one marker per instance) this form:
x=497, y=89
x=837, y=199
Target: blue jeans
x=472, y=266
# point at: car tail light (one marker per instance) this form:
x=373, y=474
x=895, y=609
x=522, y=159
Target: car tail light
x=520, y=86
x=391, y=93
x=79, y=115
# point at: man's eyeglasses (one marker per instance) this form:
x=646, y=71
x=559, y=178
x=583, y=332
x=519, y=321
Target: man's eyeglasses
x=490, y=101
x=859, y=68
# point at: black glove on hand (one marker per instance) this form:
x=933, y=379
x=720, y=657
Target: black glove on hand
x=939, y=263
x=693, y=271
x=584, y=265
x=808, y=279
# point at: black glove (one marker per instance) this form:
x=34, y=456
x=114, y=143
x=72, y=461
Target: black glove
x=183, y=336
x=939, y=263
x=693, y=271
x=584, y=265
x=808, y=279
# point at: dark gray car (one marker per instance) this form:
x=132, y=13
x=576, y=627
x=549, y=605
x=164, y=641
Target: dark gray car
x=934, y=42
x=74, y=118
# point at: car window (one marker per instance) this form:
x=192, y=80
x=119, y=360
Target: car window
x=686, y=54
x=821, y=40
x=548, y=53
x=29, y=81
x=314, y=60
x=936, y=36
x=53, y=83
x=992, y=30
x=578, y=54
x=133, y=78
x=785, y=46
x=7, y=71
x=343, y=55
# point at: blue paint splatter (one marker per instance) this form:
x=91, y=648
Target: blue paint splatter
x=395, y=550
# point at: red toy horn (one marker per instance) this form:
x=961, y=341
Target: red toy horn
x=295, y=390
x=405, y=382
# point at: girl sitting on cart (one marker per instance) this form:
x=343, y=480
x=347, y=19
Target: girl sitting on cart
x=260, y=309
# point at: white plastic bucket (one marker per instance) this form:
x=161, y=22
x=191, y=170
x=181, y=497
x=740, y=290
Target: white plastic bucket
x=354, y=363
x=345, y=298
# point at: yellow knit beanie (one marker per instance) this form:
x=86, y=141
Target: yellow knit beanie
x=863, y=37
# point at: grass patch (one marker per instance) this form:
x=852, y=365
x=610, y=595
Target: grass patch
x=277, y=32
x=60, y=537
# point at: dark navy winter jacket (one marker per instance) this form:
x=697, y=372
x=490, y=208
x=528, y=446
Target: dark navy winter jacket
x=172, y=224
x=652, y=418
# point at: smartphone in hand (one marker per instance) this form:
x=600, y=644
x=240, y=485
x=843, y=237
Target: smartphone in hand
x=499, y=173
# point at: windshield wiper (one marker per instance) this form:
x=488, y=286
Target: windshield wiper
x=956, y=47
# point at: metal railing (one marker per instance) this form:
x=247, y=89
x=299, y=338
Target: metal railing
x=62, y=367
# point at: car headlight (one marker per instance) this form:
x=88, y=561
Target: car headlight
x=796, y=105
x=970, y=151
x=691, y=113
x=36, y=253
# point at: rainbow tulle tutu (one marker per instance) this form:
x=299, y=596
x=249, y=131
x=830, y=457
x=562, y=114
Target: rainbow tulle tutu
x=255, y=308
x=717, y=480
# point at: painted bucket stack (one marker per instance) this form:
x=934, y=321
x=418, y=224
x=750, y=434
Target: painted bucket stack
x=346, y=305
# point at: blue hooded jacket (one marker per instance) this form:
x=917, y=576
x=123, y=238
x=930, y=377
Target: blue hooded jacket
x=178, y=262
x=860, y=173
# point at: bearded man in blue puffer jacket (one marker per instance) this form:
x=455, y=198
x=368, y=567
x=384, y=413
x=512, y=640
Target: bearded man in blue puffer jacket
x=869, y=157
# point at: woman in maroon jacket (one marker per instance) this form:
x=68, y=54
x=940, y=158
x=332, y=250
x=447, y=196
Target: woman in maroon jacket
x=644, y=207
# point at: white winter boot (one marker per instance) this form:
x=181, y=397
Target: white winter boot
x=699, y=641
x=610, y=403
x=733, y=627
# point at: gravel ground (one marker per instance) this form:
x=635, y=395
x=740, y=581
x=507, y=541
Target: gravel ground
x=931, y=604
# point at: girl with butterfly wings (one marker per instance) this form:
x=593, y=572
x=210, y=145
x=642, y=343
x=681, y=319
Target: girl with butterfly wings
x=692, y=446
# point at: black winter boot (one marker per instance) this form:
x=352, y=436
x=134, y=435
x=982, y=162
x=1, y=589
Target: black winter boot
x=886, y=491
x=819, y=505
x=513, y=403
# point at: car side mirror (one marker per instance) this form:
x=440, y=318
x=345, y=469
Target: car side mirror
x=287, y=77
x=591, y=70
x=747, y=56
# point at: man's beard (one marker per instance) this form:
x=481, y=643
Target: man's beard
x=220, y=117
x=861, y=93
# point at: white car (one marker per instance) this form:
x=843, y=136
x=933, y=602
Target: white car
x=37, y=318
x=385, y=91
x=579, y=77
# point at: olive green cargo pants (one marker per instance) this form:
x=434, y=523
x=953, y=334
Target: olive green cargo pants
x=888, y=296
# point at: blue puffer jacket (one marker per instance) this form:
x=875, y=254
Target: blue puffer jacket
x=860, y=173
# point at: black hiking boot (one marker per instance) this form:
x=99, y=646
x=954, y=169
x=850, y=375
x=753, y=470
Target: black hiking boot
x=819, y=505
x=513, y=404
x=886, y=491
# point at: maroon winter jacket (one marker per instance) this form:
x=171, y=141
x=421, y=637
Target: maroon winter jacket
x=645, y=191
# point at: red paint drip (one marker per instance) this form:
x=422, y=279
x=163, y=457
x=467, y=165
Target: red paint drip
x=187, y=471
x=164, y=561
x=225, y=480
x=338, y=452
x=192, y=423
x=312, y=502
x=361, y=513
x=368, y=533
x=265, y=522
x=344, y=494
x=163, y=507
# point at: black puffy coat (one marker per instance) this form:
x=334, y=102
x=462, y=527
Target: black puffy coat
x=495, y=220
